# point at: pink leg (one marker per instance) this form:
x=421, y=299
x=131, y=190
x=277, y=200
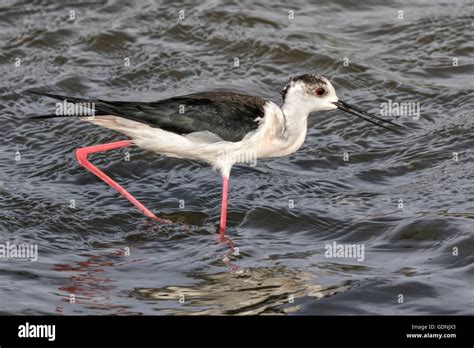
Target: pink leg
x=222, y=226
x=81, y=155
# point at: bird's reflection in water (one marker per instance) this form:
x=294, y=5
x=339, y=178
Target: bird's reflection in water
x=242, y=292
x=90, y=286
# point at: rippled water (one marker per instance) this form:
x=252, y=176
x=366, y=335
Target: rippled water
x=82, y=249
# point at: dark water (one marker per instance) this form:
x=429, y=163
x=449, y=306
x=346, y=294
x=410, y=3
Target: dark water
x=81, y=249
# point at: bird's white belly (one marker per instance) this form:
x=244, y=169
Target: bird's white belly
x=220, y=154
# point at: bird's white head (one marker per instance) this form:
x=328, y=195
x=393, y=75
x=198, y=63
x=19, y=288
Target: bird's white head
x=310, y=93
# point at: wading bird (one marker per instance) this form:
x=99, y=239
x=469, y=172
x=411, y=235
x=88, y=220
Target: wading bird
x=218, y=128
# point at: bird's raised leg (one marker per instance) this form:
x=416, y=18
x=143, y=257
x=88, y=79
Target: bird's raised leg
x=222, y=226
x=83, y=152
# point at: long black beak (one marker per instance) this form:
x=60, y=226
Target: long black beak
x=366, y=116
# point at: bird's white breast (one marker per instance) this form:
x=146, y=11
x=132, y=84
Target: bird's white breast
x=278, y=135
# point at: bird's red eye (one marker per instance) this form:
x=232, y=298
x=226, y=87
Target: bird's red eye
x=320, y=91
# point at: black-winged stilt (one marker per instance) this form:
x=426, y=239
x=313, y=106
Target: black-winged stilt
x=219, y=128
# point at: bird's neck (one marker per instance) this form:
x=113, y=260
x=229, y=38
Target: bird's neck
x=294, y=123
x=296, y=118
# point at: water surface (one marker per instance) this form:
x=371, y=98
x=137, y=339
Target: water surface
x=282, y=212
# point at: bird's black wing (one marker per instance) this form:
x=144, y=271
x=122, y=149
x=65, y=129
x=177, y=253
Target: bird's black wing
x=230, y=115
